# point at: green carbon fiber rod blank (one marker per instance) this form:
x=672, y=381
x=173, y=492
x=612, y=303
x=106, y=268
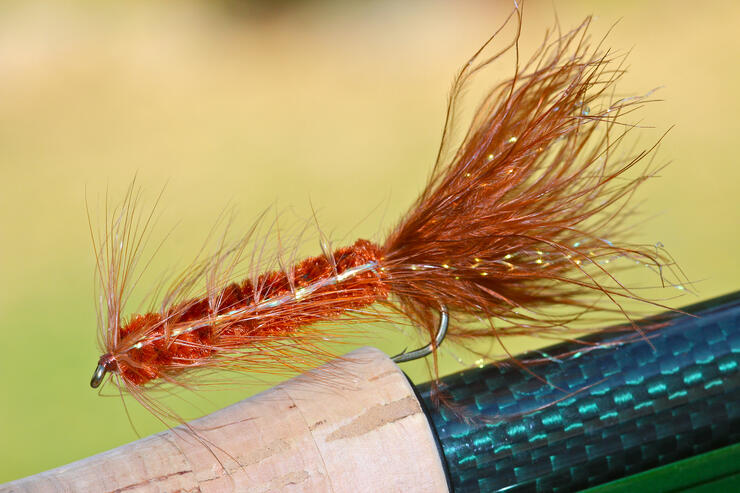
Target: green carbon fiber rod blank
x=606, y=413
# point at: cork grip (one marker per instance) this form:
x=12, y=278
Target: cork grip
x=352, y=425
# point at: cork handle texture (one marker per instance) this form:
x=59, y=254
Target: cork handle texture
x=352, y=425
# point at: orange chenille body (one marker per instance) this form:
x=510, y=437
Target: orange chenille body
x=250, y=313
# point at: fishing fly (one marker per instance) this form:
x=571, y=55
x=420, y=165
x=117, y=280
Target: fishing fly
x=516, y=232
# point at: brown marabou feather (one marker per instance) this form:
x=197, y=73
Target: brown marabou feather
x=526, y=215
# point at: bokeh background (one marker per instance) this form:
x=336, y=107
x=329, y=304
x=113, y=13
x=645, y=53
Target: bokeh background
x=335, y=106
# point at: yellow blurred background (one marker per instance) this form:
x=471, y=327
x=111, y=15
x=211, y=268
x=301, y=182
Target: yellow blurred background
x=332, y=105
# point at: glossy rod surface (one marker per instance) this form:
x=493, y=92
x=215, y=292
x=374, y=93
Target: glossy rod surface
x=608, y=413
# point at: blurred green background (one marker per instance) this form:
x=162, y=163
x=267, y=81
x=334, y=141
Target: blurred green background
x=244, y=104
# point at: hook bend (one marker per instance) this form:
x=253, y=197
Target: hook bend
x=444, y=319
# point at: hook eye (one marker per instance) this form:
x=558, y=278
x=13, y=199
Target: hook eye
x=98, y=375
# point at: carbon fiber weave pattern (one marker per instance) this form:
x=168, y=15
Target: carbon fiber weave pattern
x=606, y=414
